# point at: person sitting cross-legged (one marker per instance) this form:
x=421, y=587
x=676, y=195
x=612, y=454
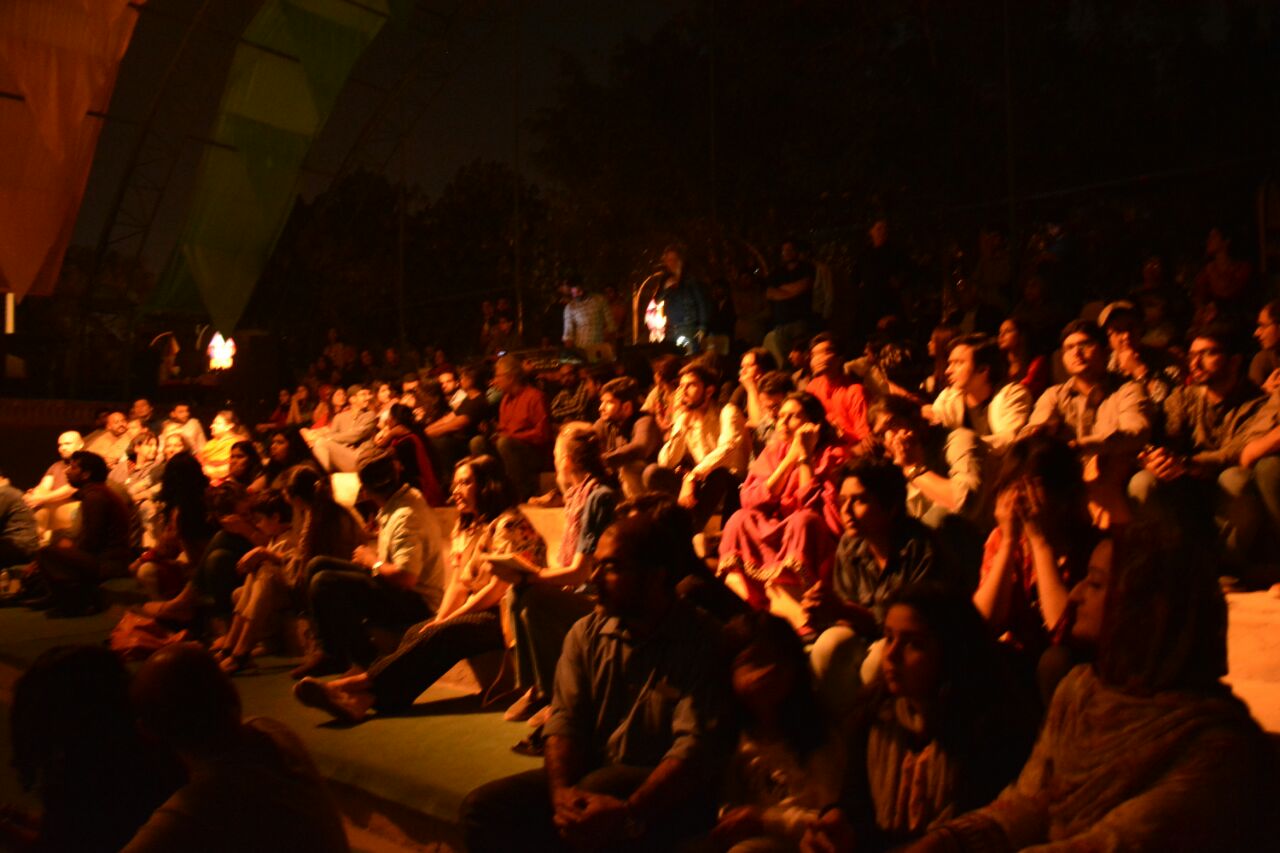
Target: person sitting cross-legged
x=490, y=524
x=635, y=738
x=397, y=582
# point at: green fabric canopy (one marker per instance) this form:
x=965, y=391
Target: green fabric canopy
x=272, y=110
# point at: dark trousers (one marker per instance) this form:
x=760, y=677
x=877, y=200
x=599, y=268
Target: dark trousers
x=73, y=575
x=515, y=813
x=543, y=615
x=427, y=651
x=216, y=575
x=718, y=491
x=521, y=460
x=343, y=596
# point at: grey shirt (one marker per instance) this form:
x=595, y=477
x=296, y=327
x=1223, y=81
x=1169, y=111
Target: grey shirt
x=1122, y=409
x=623, y=700
x=352, y=429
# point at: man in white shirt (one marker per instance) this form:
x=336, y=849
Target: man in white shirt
x=395, y=583
x=706, y=457
x=978, y=398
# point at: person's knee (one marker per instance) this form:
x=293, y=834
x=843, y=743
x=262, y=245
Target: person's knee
x=1266, y=474
x=1234, y=481
x=832, y=645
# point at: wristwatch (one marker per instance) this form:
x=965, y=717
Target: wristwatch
x=914, y=471
x=376, y=568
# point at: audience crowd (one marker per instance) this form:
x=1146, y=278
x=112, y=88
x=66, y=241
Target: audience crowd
x=957, y=595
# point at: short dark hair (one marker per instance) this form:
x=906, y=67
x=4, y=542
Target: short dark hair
x=273, y=503
x=700, y=371
x=641, y=539
x=494, y=494
x=986, y=356
x=894, y=406
x=666, y=368
x=881, y=479
x=378, y=473
x=1273, y=310
x=141, y=438
x=824, y=338
x=92, y=464
x=764, y=359
x=775, y=383
x=1225, y=335
x=1088, y=328
x=624, y=388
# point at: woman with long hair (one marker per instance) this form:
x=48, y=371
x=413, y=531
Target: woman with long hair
x=782, y=540
x=285, y=449
x=788, y=764
x=1024, y=367
x=1145, y=748
x=325, y=528
x=490, y=525
x=244, y=465
x=548, y=599
x=404, y=438
x=941, y=730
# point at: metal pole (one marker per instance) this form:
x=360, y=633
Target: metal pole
x=1011, y=177
x=516, y=241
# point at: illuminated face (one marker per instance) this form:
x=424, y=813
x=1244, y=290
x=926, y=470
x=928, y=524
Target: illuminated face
x=1089, y=596
x=181, y=413
x=960, y=367
x=1207, y=361
x=238, y=463
x=1081, y=354
x=338, y=400
x=141, y=410
x=173, y=445
x=220, y=427
x=860, y=512
x=465, y=491
x=361, y=400
x=448, y=384
x=612, y=409
x=912, y=663
x=146, y=451
x=68, y=443
x=790, y=418
x=279, y=448
x=1268, y=331
x=822, y=358
x=749, y=370
x=384, y=396
x=692, y=391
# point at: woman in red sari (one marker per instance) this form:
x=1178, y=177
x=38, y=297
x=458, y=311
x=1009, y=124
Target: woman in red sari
x=782, y=540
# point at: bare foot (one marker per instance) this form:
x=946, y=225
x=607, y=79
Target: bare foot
x=347, y=706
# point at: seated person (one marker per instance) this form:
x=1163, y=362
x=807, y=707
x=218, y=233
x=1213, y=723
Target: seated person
x=1098, y=412
x=523, y=433
x=575, y=400
x=18, y=537
x=1152, y=368
x=182, y=422
x=252, y=785
x=138, y=477
x=112, y=440
x=450, y=435
x=547, y=600
x=629, y=439
x=1264, y=368
x=244, y=465
x=338, y=449
x=266, y=588
x=941, y=731
x=49, y=498
x=635, y=739
x=882, y=550
x=397, y=582
x=73, y=728
x=1207, y=425
x=789, y=764
x=943, y=468
x=1146, y=748
x=142, y=415
x=977, y=397
x=706, y=455
x=72, y=568
x=215, y=455
x=755, y=363
x=782, y=540
x=1040, y=546
x=842, y=397
x=285, y=449
x=490, y=524
x=404, y=438
x=662, y=399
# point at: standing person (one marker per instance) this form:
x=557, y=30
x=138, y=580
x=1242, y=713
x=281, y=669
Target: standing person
x=523, y=434
x=635, y=737
x=397, y=582
x=706, y=456
x=684, y=302
x=588, y=325
x=790, y=294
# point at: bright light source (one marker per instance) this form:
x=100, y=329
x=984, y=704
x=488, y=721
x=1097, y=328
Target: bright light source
x=222, y=352
x=655, y=320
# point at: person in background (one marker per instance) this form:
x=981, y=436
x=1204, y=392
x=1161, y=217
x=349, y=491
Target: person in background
x=523, y=434
x=53, y=492
x=112, y=440
x=181, y=421
x=629, y=439
x=1264, y=369
x=684, y=301
x=19, y=537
